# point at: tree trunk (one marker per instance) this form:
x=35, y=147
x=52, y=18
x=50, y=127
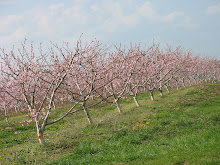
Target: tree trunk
x=136, y=101
x=87, y=113
x=41, y=137
x=177, y=85
x=6, y=116
x=145, y=88
x=16, y=109
x=152, y=94
x=135, y=98
x=195, y=82
x=92, y=97
x=40, y=133
x=118, y=105
x=167, y=88
x=183, y=81
x=54, y=106
x=190, y=83
x=161, y=91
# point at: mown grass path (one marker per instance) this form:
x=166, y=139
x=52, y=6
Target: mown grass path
x=180, y=128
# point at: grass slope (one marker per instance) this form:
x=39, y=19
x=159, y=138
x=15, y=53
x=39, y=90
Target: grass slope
x=180, y=128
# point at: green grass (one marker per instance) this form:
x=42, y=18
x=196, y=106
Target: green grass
x=180, y=128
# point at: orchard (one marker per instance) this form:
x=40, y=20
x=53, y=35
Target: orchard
x=34, y=81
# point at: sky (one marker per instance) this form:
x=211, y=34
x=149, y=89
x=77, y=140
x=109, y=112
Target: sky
x=191, y=24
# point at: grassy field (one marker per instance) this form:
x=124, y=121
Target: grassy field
x=182, y=128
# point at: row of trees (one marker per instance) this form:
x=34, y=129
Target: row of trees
x=36, y=81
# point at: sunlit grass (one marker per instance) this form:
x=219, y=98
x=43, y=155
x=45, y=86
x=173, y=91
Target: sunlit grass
x=180, y=128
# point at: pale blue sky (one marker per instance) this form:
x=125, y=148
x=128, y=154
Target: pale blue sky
x=192, y=24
